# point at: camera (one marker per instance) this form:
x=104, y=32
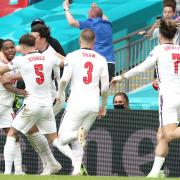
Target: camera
x=158, y=17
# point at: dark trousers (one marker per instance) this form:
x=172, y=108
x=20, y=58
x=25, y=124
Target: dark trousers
x=111, y=70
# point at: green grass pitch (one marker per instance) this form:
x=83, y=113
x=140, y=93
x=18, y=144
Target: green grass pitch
x=37, y=177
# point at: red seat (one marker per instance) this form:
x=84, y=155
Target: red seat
x=7, y=8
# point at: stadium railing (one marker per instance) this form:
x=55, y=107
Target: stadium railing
x=129, y=52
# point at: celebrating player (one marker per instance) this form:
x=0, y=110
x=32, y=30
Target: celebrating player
x=7, y=92
x=35, y=69
x=167, y=58
x=84, y=68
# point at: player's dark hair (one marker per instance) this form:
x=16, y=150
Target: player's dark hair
x=43, y=30
x=88, y=36
x=167, y=29
x=27, y=40
x=6, y=40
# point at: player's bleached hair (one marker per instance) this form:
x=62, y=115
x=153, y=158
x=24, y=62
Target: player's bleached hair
x=87, y=35
x=168, y=29
x=27, y=40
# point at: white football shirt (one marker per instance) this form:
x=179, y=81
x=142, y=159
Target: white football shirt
x=35, y=69
x=167, y=57
x=56, y=69
x=85, y=68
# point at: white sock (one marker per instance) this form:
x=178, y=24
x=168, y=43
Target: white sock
x=158, y=163
x=33, y=144
x=77, y=156
x=66, y=150
x=9, y=153
x=18, y=159
x=41, y=146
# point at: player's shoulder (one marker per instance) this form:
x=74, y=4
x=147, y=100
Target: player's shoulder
x=158, y=47
x=74, y=54
x=49, y=50
x=18, y=58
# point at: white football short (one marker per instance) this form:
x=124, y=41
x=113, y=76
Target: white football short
x=41, y=116
x=169, y=109
x=6, y=116
x=72, y=121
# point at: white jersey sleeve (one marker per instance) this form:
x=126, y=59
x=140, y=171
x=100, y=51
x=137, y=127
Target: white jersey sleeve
x=144, y=66
x=68, y=68
x=56, y=60
x=16, y=63
x=104, y=78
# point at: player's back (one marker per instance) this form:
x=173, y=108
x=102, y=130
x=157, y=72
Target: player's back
x=36, y=69
x=169, y=67
x=87, y=68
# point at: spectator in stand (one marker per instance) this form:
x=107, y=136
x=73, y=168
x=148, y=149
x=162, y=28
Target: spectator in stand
x=121, y=101
x=173, y=2
x=102, y=28
x=169, y=11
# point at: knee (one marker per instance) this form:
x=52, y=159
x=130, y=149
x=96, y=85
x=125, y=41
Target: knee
x=33, y=130
x=169, y=136
x=12, y=132
x=62, y=139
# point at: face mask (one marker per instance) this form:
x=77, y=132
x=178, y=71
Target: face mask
x=118, y=106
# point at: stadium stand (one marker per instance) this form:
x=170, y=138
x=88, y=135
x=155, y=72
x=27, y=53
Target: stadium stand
x=9, y=6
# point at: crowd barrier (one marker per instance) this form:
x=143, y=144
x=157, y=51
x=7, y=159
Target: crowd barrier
x=121, y=144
